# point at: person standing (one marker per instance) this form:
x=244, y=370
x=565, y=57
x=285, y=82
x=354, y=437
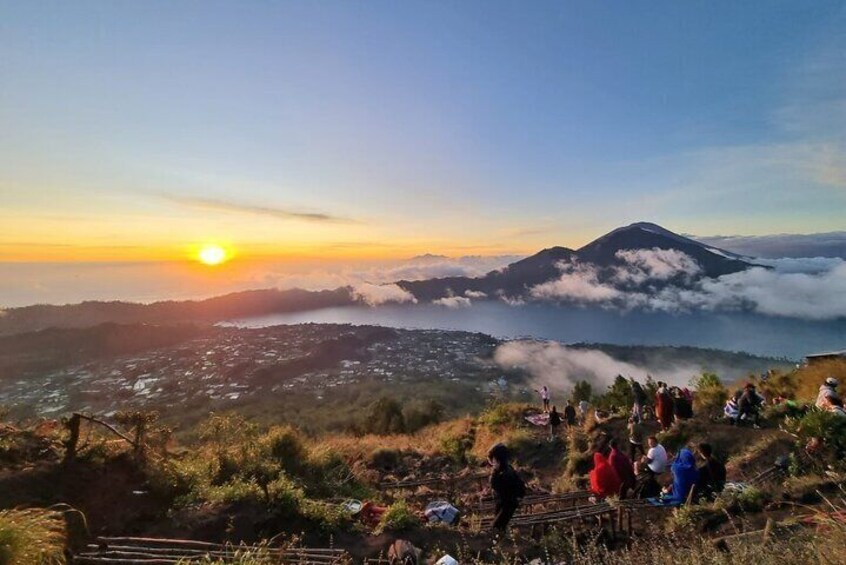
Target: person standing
x=554, y=422
x=583, y=410
x=544, y=394
x=639, y=399
x=507, y=486
x=570, y=414
x=664, y=407
x=635, y=439
x=749, y=405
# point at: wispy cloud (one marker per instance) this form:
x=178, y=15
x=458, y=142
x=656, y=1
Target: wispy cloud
x=221, y=205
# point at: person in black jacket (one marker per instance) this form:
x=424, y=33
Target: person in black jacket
x=749, y=405
x=554, y=422
x=507, y=486
x=712, y=474
x=570, y=414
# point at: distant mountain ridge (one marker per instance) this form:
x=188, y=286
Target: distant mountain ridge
x=605, y=255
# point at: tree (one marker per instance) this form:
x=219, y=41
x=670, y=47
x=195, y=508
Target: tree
x=619, y=394
x=581, y=391
x=711, y=394
x=385, y=417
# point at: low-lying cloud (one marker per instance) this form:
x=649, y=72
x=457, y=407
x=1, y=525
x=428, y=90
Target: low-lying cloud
x=377, y=294
x=643, y=265
x=808, y=288
x=560, y=367
x=453, y=302
x=832, y=244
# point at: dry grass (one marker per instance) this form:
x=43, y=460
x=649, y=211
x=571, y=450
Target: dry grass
x=426, y=442
x=810, y=377
x=32, y=536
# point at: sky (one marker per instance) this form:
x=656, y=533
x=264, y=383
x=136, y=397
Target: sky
x=374, y=131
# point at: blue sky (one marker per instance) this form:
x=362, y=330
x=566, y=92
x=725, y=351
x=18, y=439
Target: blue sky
x=131, y=130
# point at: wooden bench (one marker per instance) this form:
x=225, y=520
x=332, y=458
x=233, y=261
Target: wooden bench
x=563, y=499
x=159, y=551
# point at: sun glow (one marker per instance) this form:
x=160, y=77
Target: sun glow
x=212, y=255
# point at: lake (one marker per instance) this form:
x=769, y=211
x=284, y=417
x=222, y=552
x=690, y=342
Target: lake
x=752, y=333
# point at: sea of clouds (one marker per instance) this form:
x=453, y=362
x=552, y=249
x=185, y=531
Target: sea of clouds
x=808, y=288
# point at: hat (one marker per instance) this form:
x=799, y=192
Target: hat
x=831, y=381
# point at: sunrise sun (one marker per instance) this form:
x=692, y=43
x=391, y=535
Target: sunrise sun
x=212, y=255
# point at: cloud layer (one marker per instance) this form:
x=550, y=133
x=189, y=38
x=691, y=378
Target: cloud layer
x=831, y=244
x=378, y=294
x=560, y=367
x=813, y=289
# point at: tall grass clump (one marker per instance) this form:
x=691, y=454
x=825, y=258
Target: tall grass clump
x=32, y=536
x=398, y=517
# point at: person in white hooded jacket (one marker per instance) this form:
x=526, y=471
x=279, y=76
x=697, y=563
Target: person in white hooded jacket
x=828, y=396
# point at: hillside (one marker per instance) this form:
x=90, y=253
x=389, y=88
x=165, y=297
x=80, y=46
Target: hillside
x=235, y=481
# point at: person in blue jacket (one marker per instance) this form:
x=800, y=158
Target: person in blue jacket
x=685, y=476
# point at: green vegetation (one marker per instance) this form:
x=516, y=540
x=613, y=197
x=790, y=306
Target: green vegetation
x=711, y=394
x=31, y=537
x=398, y=517
x=236, y=463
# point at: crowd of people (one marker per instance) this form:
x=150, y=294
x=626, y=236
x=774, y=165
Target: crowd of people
x=639, y=474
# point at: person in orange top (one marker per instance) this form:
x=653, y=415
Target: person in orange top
x=604, y=480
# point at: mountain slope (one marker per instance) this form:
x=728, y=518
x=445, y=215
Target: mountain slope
x=602, y=254
x=603, y=251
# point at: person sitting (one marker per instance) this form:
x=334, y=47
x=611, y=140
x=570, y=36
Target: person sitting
x=712, y=473
x=731, y=412
x=828, y=394
x=624, y=467
x=685, y=476
x=604, y=481
x=655, y=460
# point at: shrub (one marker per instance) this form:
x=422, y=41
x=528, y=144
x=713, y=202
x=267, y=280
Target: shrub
x=285, y=445
x=31, y=537
x=285, y=496
x=710, y=395
x=385, y=459
x=826, y=426
x=456, y=446
x=327, y=516
x=496, y=414
x=398, y=517
x=750, y=499
x=692, y=518
x=384, y=417
x=235, y=491
x=420, y=415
